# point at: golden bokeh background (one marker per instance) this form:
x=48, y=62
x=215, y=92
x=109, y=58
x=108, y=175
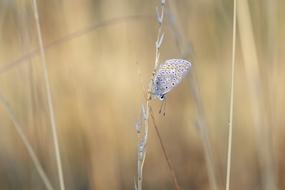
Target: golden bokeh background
x=100, y=55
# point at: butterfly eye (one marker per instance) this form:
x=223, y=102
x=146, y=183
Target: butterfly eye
x=161, y=97
x=173, y=84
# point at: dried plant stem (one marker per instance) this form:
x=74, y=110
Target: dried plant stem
x=26, y=143
x=208, y=151
x=185, y=51
x=68, y=37
x=170, y=166
x=49, y=98
x=256, y=96
x=228, y=175
x=142, y=153
x=143, y=140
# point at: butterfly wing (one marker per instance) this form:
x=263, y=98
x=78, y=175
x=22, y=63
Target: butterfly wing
x=169, y=75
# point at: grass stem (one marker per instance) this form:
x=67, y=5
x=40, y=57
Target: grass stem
x=26, y=143
x=228, y=175
x=256, y=95
x=170, y=166
x=49, y=98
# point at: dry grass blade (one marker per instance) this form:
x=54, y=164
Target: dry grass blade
x=170, y=166
x=69, y=37
x=228, y=175
x=143, y=139
x=26, y=143
x=249, y=51
x=185, y=50
x=49, y=96
x=204, y=133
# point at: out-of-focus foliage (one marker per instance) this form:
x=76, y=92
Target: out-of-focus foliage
x=100, y=56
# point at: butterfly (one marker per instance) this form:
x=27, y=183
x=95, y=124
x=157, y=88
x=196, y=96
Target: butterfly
x=169, y=75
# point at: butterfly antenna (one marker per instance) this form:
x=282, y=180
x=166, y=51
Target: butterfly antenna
x=161, y=107
x=164, y=107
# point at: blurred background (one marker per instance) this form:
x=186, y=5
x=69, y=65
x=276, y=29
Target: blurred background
x=100, y=55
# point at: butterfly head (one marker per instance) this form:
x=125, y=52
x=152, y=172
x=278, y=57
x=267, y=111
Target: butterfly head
x=161, y=97
x=158, y=95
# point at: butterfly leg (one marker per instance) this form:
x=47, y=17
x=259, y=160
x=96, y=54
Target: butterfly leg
x=163, y=107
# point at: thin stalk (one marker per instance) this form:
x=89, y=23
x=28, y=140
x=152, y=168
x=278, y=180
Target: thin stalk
x=260, y=119
x=170, y=166
x=159, y=40
x=186, y=50
x=68, y=37
x=142, y=154
x=49, y=98
x=228, y=177
x=26, y=143
x=203, y=131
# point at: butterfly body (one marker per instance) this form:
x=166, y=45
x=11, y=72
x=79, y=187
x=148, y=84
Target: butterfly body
x=169, y=75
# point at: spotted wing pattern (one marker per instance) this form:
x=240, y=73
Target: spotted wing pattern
x=169, y=75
